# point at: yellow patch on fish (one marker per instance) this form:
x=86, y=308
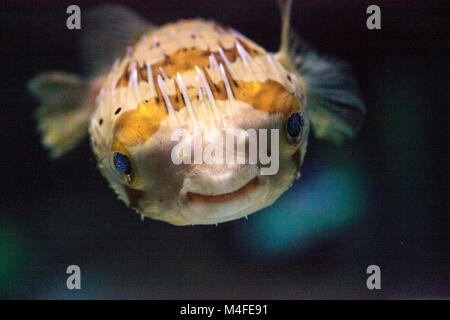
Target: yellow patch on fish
x=136, y=126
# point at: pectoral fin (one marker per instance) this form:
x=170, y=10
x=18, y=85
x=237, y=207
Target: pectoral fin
x=333, y=103
x=64, y=110
x=67, y=101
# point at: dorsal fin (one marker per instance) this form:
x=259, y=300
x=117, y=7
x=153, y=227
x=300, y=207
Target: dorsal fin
x=107, y=31
x=284, y=51
x=333, y=104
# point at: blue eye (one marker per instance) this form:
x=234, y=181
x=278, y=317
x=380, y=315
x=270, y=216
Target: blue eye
x=295, y=124
x=122, y=163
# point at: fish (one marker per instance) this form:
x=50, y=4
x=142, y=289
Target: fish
x=151, y=90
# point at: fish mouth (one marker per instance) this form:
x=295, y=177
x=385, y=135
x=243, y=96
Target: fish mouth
x=228, y=196
x=221, y=195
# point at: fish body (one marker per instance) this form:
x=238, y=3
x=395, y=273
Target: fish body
x=206, y=80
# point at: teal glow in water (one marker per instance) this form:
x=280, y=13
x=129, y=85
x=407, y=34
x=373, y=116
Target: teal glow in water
x=315, y=208
x=13, y=258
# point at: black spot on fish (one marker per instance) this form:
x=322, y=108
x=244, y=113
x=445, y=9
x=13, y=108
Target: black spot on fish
x=100, y=121
x=117, y=111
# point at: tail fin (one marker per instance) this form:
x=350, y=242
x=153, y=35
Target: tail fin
x=64, y=110
x=334, y=107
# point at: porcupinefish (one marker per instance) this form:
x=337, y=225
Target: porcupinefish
x=146, y=81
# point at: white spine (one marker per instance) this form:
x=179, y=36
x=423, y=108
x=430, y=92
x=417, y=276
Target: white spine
x=204, y=109
x=150, y=80
x=186, y=99
x=199, y=87
x=227, y=63
x=209, y=94
x=245, y=58
x=169, y=106
x=227, y=87
x=133, y=89
x=163, y=73
x=213, y=63
x=274, y=68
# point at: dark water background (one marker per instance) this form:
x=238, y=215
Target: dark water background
x=381, y=198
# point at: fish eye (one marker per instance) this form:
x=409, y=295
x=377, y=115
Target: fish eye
x=294, y=126
x=122, y=163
